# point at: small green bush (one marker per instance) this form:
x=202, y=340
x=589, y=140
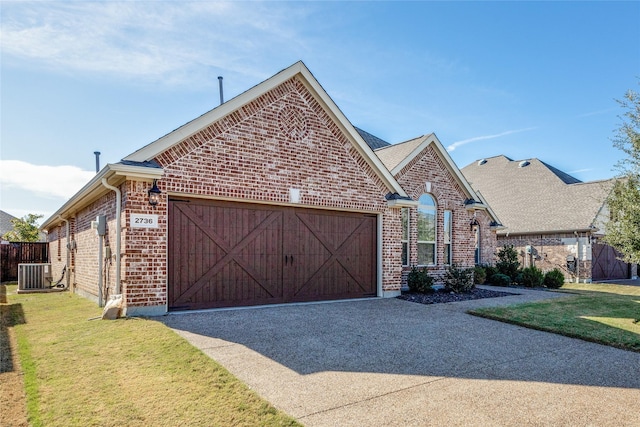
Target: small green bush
x=419, y=281
x=553, y=279
x=519, y=277
x=458, y=279
x=479, y=275
x=532, y=277
x=508, y=261
x=500, y=279
x=490, y=270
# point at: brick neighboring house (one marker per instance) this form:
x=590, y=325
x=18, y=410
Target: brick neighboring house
x=553, y=219
x=271, y=197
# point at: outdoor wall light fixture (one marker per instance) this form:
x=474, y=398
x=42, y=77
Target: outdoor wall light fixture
x=154, y=194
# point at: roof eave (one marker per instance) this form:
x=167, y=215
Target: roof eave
x=151, y=150
x=543, y=232
x=94, y=188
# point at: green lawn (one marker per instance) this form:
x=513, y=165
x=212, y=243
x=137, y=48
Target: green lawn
x=599, y=313
x=82, y=372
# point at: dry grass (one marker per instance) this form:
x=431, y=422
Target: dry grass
x=599, y=313
x=81, y=372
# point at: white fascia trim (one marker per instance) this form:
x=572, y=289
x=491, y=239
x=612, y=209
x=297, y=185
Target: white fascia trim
x=400, y=203
x=363, y=148
x=151, y=150
x=94, y=188
x=137, y=172
x=448, y=161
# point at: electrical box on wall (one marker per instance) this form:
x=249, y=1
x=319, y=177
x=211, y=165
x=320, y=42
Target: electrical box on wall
x=101, y=225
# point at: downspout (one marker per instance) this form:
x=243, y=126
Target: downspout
x=68, y=266
x=118, y=229
x=577, y=257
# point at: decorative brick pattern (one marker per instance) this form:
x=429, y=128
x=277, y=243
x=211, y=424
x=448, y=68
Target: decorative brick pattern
x=429, y=167
x=281, y=140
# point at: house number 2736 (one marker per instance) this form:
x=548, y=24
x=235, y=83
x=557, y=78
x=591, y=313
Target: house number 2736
x=144, y=221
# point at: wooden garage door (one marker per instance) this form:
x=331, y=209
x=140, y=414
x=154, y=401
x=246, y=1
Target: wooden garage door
x=606, y=265
x=225, y=254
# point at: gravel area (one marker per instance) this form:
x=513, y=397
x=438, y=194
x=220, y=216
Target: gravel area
x=443, y=296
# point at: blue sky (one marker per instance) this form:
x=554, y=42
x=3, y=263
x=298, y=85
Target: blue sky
x=523, y=79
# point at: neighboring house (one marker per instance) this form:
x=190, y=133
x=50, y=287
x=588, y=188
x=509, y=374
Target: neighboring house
x=553, y=219
x=5, y=222
x=271, y=197
x=6, y=225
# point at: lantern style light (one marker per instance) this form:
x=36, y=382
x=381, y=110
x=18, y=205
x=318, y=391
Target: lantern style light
x=154, y=194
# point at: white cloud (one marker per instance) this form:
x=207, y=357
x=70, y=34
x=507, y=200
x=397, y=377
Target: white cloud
x=485, y=137
x=171, y=42
x=44, y=181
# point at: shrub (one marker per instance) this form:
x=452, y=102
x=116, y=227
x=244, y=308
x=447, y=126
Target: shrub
x=500, y=279
x=519, y=277
x=490, y=271
x=420, y=281
x=479, y=275
x=507, y=263
x=532, y=277
x=553, y=279
x=458, y=279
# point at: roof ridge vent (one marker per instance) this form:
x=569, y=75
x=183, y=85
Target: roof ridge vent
x=482, y=162
x=523, y=164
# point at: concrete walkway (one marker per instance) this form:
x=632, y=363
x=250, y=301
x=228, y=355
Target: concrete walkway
x=387, y=362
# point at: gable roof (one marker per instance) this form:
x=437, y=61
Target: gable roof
x=5, y=222
x=396, y=157
x=531, y=196
x=299, y=70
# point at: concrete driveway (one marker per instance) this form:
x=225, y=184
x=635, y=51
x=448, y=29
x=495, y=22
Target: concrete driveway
x=387, y=362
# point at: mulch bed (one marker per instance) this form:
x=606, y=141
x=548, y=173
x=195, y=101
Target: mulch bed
x=443, y=296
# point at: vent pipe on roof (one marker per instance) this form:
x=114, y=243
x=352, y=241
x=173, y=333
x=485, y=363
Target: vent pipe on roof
x=97, y=153
x=220, y=85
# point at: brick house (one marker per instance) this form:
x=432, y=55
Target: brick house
x=272, y=197
x=552, y=219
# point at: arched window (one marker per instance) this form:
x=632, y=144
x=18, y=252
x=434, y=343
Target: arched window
x=426, y=222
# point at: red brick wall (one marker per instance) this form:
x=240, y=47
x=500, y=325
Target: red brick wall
x=57, y=247
x=283, y=139
x=550, y=251
x=144, y=262
x=85, y=266
x=429, y=167
x=488, y=239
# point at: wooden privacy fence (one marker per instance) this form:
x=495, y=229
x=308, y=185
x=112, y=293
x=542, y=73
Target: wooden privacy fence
x=15, y=253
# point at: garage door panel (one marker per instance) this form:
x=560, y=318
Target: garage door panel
x=231, y=254
x=342, y=257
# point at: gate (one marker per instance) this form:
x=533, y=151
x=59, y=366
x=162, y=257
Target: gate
x=606, y=265
x=14, y=253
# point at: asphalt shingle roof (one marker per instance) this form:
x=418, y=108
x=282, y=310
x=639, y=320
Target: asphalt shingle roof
x=536, y=197
x=371, y=140
x=5, y=222
x=392, y=155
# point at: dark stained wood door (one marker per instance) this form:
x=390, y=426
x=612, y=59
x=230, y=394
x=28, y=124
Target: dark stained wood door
x=606, y=265
x=223, y=255
x=332, y=255
x=235, y=254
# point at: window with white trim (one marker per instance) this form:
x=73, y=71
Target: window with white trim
x=448, y=255
x=405, y=236
x=426, y=223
